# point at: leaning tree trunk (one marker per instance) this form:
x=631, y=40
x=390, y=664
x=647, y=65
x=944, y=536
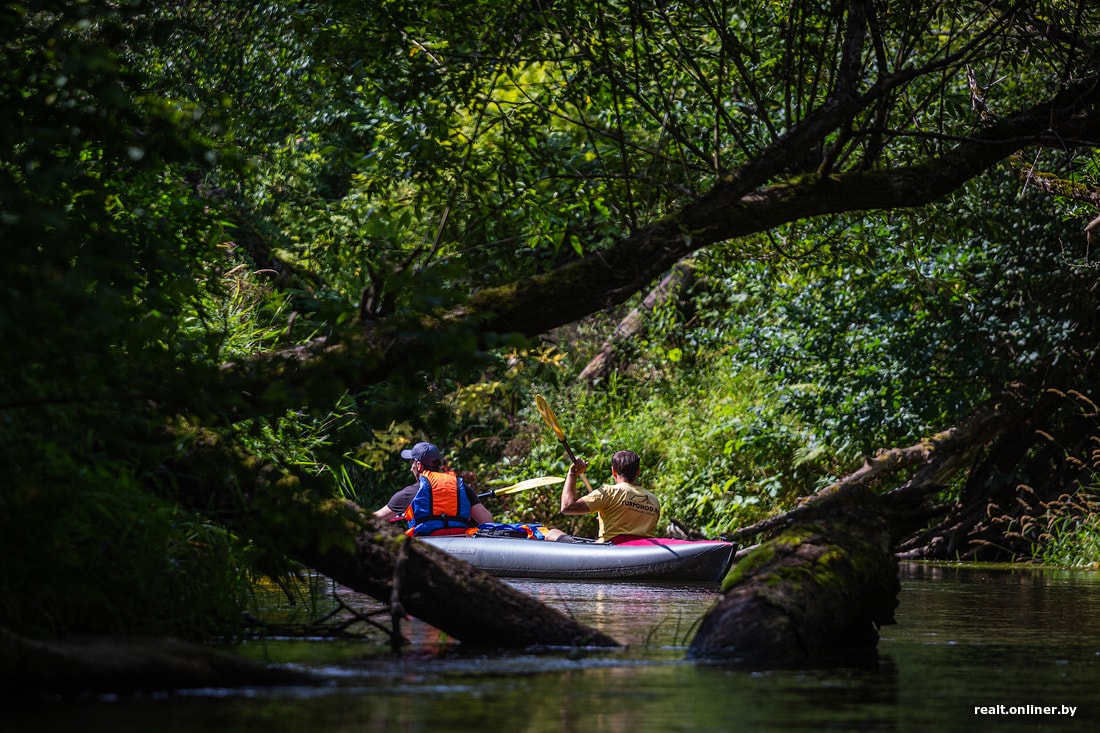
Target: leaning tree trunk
x=634, y=324
x=827, y=580
x=447, y=593
x=417, y=579
x=345, y=543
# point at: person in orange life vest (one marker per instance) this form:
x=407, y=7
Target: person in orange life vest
x=438, y=500
x=624, y=509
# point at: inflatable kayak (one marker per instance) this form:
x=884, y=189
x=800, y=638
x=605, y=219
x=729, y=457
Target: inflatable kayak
x=639, y=559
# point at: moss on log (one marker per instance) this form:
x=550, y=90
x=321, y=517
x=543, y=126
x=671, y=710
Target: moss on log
x=819, y=590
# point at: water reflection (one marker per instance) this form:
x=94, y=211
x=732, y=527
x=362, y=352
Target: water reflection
x=974, y=637
x=652, y=616
x=966, y=638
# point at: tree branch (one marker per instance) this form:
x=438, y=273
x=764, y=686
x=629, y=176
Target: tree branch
x=939, y=457
x=605, y=278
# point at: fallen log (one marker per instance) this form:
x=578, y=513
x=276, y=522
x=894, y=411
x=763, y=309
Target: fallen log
x=826, y=580
x=345, y=543
x=453, y=596
x=447, y=593
x=819, y=591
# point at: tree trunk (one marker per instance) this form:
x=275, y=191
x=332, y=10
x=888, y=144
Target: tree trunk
x=746, y=202
x=822, y=587
x=601, y=364
x=451, y=595
x=819, y=591
x=828, y=580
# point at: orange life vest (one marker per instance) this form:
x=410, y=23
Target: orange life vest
x=440, y=503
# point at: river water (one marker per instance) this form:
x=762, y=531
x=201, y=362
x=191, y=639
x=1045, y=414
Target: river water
x=999, y=649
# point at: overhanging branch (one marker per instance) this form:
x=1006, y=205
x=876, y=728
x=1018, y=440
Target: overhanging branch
x=540, y=303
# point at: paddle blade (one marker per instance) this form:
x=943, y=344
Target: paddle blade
x=549, y=416
x=531, y=483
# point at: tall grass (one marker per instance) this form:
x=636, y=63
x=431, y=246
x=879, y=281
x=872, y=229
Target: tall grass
x=1064, y=532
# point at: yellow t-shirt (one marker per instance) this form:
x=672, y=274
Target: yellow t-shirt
x=624, y=509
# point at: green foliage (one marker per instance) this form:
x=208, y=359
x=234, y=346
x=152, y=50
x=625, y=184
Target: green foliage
x=771, y=378
x=98, y=554
x=714, y=444
x=107, y=244
x=402, y=156
x=923, y=315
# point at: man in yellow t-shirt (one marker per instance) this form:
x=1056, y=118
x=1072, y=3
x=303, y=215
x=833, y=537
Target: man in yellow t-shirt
x=623, y=508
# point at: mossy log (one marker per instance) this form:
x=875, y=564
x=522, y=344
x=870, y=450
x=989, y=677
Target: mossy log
x=820, y=590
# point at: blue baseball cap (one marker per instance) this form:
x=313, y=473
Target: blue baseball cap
x=426, y=453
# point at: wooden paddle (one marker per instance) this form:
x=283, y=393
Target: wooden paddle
x=531, y=483
x=552, y=420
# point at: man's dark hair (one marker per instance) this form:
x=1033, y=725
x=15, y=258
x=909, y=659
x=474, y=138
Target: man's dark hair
x=626, y=463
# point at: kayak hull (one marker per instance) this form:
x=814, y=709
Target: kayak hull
x=648, y=560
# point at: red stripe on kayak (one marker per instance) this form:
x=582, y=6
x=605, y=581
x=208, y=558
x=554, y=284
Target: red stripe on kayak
x=633, y=539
